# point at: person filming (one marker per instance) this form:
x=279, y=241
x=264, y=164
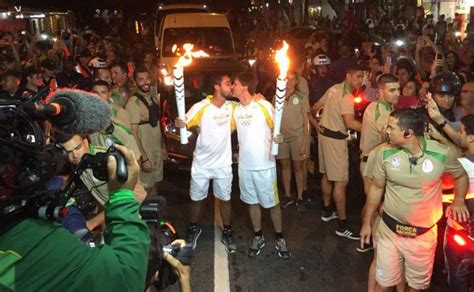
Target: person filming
x=37, y=255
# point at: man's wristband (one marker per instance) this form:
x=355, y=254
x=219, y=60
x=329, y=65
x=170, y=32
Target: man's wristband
x=143, y=161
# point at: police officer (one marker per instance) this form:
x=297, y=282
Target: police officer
x=319, y=81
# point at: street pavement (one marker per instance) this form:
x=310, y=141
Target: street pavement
x=321, y=260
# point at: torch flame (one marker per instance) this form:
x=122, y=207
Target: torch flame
x=283, y=61
x=188, y=56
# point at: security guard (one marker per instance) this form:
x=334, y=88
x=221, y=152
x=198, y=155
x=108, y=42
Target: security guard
x=143, y=110
x=376, y=117
x=295, y=146
x=338, y=116
x=119, y=131
x=409, y=171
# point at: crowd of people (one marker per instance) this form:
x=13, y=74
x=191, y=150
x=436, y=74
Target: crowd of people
x=417, y=83
x=415, y=78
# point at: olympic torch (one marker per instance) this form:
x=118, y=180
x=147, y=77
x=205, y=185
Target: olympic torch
x=283, y=61
x=178, y=81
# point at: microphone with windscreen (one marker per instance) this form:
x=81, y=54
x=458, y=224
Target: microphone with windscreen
x=73, y=111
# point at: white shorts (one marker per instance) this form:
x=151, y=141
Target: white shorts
x=221, y=183
x=259, y=187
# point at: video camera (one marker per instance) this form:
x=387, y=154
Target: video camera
x=28, y=161
x=162, y=234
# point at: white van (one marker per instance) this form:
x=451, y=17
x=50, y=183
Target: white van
x=163, y=10
x=209, y=32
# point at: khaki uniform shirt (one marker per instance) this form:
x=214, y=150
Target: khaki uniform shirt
x=338, y=101
x=118, y=97
x=121, y=135
x=292, y=123
x=413, y=193
x=120, y=115
x=373, y=125
x=149, y=136
x=99, y=189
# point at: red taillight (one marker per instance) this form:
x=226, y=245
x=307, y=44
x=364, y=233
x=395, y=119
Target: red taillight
x=459, y=240
x=358, y=99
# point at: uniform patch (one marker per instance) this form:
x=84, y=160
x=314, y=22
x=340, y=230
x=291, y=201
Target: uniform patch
x=109, y=142
x=396, y=162
x=427, y=166
x=378, y=272
x=296, y=101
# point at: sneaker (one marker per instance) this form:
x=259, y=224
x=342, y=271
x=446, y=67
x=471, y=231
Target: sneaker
x=257, y=245
x=228, y=240
x=193, y=235
x=286, y=201
x=280, y=246
x=328, y=215
x=346, y=232
x=300, y=204
x=366, y=248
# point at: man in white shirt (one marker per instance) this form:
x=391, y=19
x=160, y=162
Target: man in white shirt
x=257, y=167
x=212, y=158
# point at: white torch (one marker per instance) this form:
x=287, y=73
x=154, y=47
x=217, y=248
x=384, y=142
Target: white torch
x=178, y=81
x=283, y=61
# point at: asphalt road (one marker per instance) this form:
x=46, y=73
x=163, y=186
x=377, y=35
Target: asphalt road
x=321, y=261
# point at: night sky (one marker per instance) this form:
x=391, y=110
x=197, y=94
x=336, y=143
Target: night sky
x=136, y=5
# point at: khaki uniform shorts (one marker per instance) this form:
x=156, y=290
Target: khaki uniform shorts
x=396, y=253
x=156, y=175
x=333, y=158
x=377, y=220
x=291, y=149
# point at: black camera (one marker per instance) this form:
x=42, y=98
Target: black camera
x=162, y=235
x=98, y=164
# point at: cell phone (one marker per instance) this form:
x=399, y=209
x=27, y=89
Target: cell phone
x=388, y=60
x=439, y=57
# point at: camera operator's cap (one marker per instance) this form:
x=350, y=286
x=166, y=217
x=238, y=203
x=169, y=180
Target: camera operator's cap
x=11, y=72
x=446, y=83
x=48, y=64
x=321, y=59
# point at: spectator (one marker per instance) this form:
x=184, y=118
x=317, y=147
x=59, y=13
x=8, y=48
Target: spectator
x=10, y=81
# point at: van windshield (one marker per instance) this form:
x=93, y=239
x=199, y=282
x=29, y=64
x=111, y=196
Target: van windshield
x=215, y=41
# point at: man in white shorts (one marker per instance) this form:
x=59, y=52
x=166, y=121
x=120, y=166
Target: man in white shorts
x=257, y=167
x=212, y=157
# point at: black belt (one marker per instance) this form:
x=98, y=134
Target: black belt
x=365, y=158
x=332, y=134
x=403, y=229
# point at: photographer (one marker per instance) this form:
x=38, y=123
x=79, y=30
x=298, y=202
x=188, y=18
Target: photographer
x=34, y=249
x=76, y=147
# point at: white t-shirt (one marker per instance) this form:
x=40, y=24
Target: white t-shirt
x=254, y=124
x=213, y=145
